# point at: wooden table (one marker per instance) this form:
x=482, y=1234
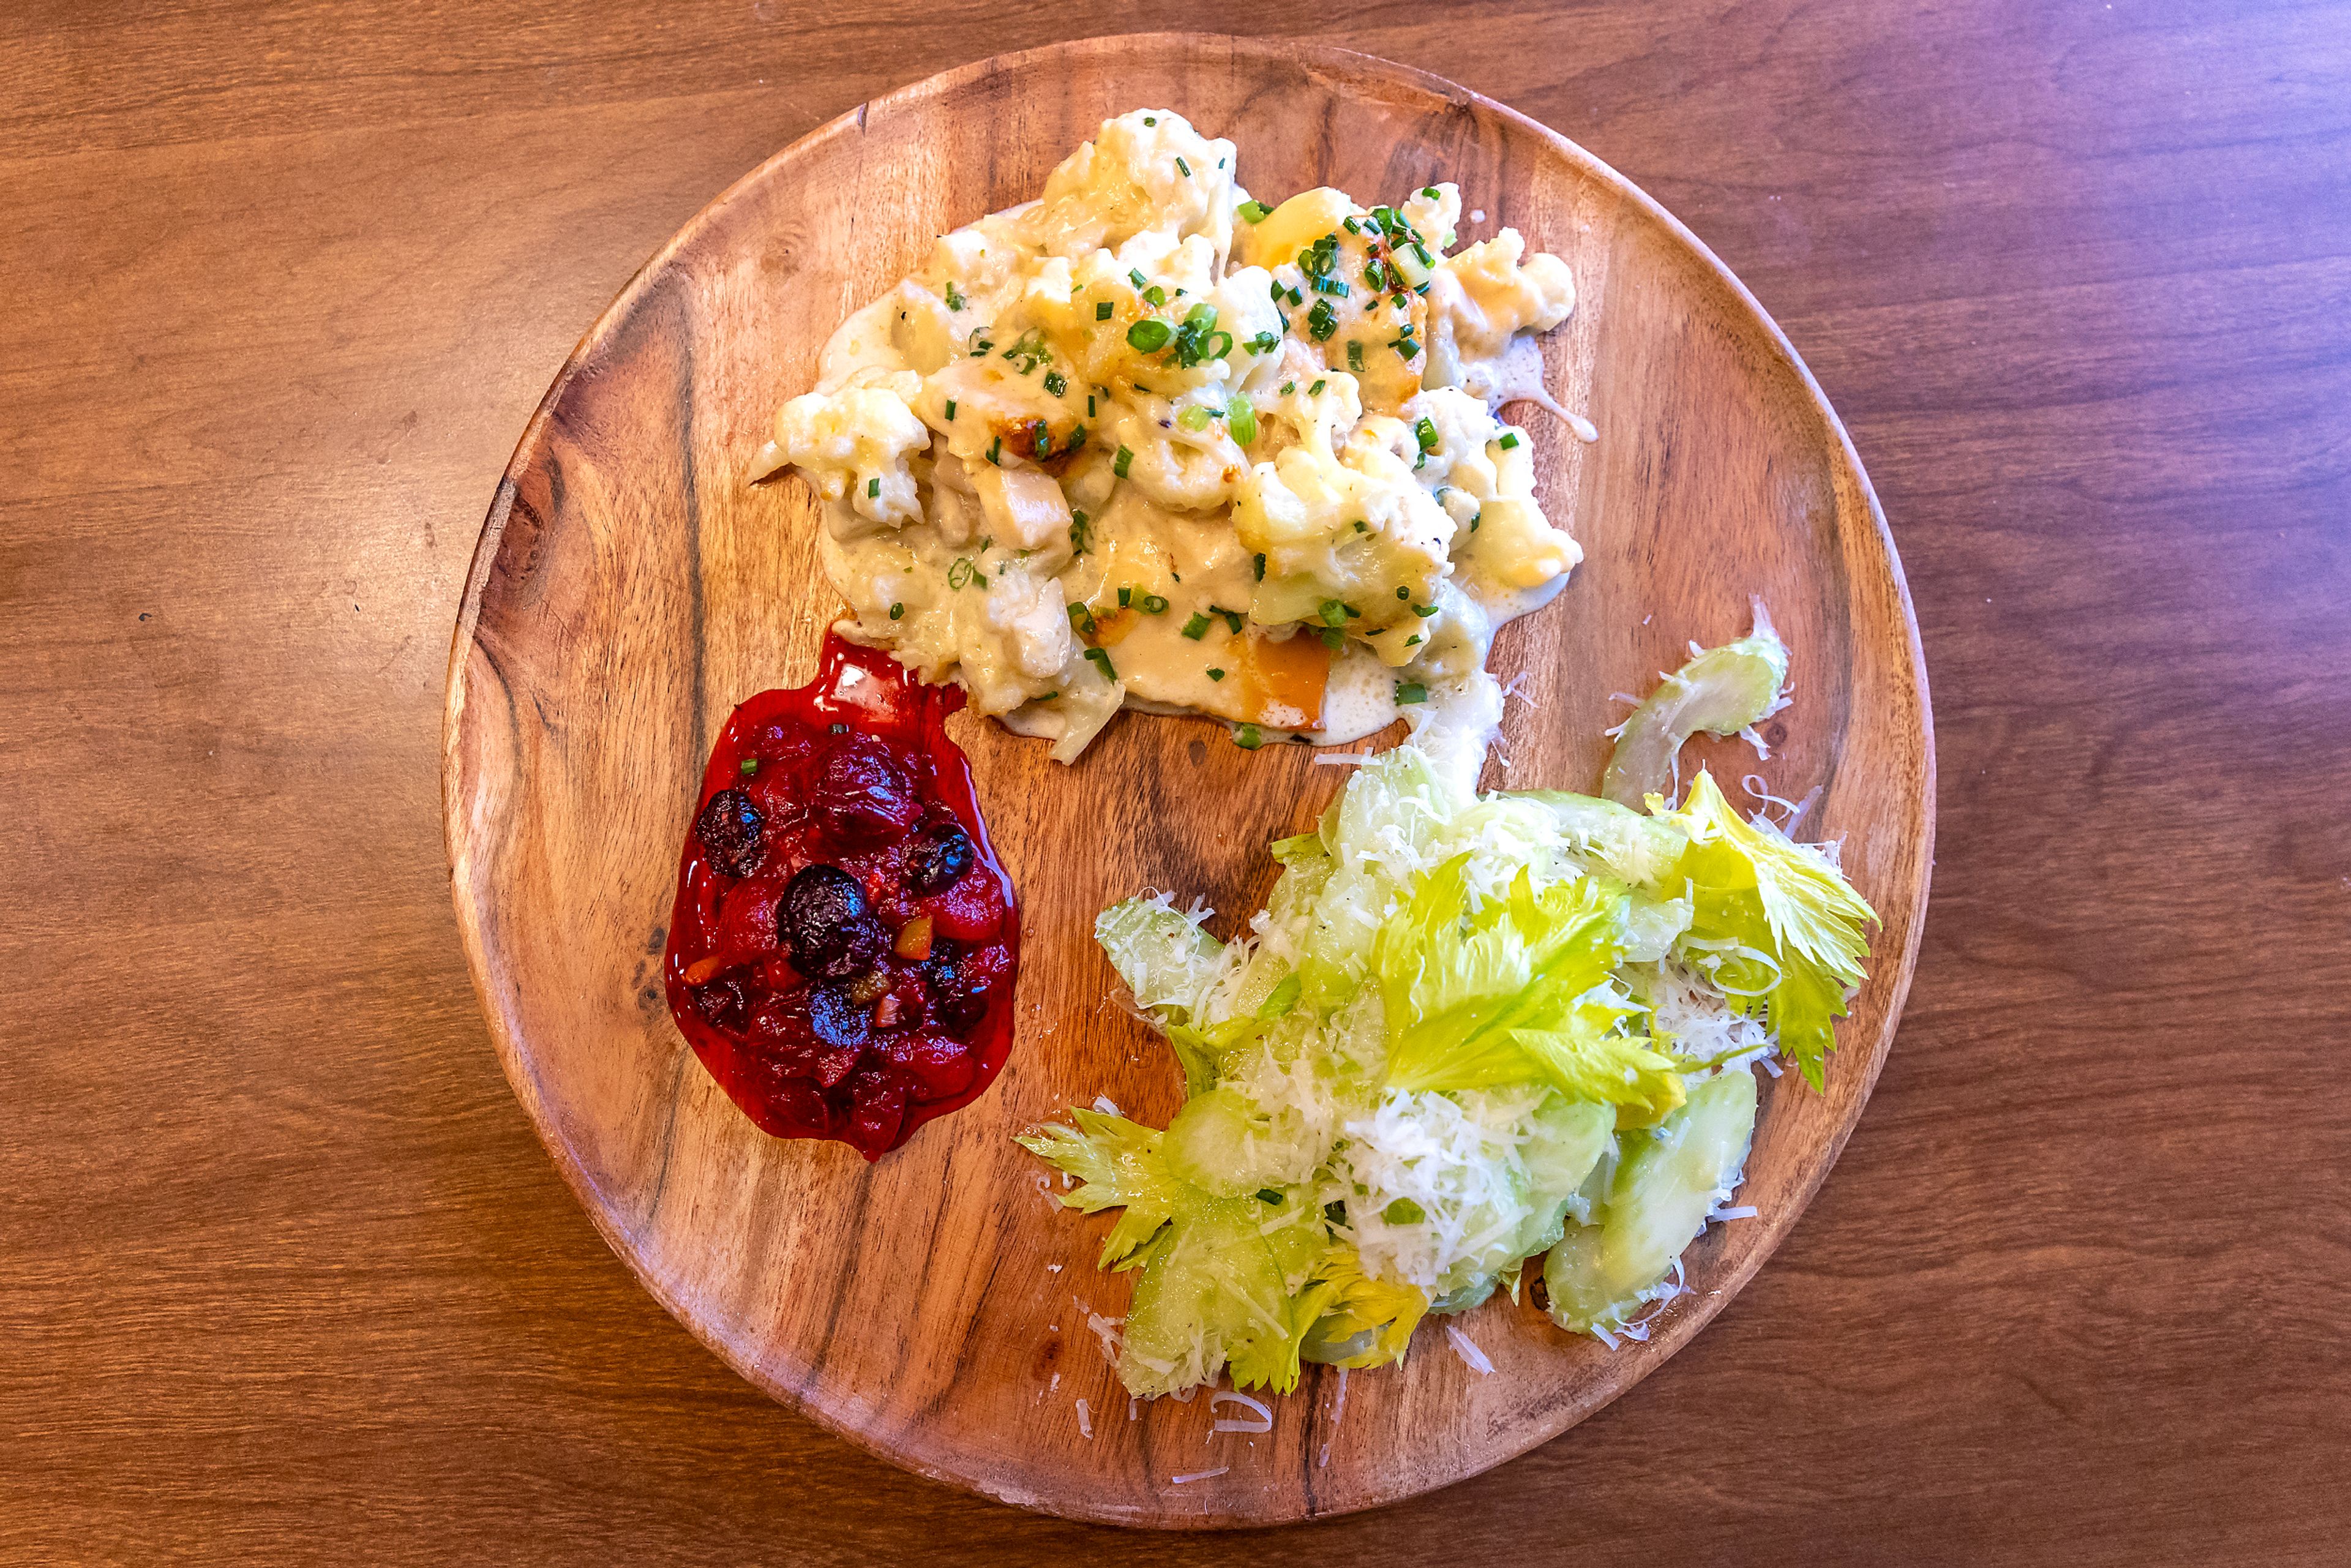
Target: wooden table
x=284, y=1274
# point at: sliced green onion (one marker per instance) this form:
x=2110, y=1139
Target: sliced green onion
x=1316, y=390
x=1147, y=336
x=1125, y=597
x=1425, y=431
x=750, y=765
x=1260, y=566
x=1423, y=611
x=1510, y=440
x=1253, y=211
x=1135, y=277
x=950, y=408
x=1333, y=612
x=1119, y=466
x=1081, y=621
x=1240, y=414
x=1100, y=659
x=1155, y=295
x=1232, y=617
x=1411, y=692
x=1101, y=310
x=954, y=298
x=873, y=488
x=1402, y=592
x=1321, y=322
x=1196, y=417
x=1197, y=626
x=1248, y=737
x=960, y=574
x=1354, y=353
x=1215, y=675
x=1154, y=604
x=1056, y=384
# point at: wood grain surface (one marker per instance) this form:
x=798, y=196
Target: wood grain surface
x=629, y=589
x=287, y=1276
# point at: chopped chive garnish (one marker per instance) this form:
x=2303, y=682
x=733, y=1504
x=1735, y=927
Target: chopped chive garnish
x=1265, y=342
x=1359, y=525
x=1332, y=638
x=1077, y=437
x=1402, y=592
x=1055, y=383
x=1125, y=597
x=1316, y=390
x=1197, y=626
x=1321, y=322
x=950, y=408
x=750, y=765
x=1334, y=613
x=1150, y=119
x=1405, y=345
x=1423, y=611
x=1119, y=466
x=1101, y=310
x=873, y=488
x=897, y=612
x=1232, y=617
x=1134, y=276
x=1081, y=621
x=1148, y=336
x=1429, y=190
x=1510, y=440
x=1253, y=211
x=960, y=574
x=1090, y=406
x=1240, y=415
x=1426, y=432
x=980, y=346
x=1155, y=295
x=1154, y=604
x=995, y=452
x=1215, y=675
x=1351, y=227
x=954, y=298
x=1100, y=659
x=1248, y=737
x=1408, y=642
x=1260, y=566
x=1354, y=353
x=1182, y=168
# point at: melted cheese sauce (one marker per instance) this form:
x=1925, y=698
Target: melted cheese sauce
x=1144, y=443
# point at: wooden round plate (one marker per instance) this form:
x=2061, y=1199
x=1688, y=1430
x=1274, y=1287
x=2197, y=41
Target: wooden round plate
x=629, y=589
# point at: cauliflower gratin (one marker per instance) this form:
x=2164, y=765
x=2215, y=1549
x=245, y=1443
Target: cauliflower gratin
x=1146, y=443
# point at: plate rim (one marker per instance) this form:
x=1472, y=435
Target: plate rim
x=505, y=1033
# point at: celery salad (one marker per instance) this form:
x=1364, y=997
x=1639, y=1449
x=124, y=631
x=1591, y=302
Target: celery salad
x=1148, y=442
x=1465, y=1030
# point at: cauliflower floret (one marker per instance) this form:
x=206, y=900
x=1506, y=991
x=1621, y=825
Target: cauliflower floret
x=1433, y=211
x=1350, y=535
x=1483, y=472
x=1145, y=170
x=855, y=442
x=1482, y=296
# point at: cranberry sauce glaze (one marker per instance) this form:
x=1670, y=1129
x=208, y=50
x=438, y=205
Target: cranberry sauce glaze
x=844, y=946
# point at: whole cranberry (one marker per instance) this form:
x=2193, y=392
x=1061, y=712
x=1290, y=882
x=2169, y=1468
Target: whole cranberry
x=958, y=991
x=824, y=920
x=863, y=795
x=937, y=856
x=729, y=829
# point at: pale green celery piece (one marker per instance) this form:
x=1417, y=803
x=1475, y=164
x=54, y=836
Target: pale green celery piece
x=1474, y=1294
x=1638, y=847
x=1665, y=1183
x=1721, y=690
x=1165, y=959
x=1565, y=1142
x=1390, y=812
x=1220, y=1144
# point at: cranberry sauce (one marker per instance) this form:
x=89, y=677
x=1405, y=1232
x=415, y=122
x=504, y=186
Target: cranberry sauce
x=844, y=946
